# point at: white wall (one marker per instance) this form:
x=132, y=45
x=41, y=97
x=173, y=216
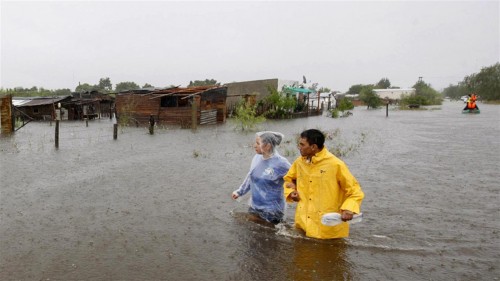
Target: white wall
x=393, y=94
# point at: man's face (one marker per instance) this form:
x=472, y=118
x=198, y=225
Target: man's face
x=306, y=149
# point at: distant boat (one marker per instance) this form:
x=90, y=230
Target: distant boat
x=472, y=111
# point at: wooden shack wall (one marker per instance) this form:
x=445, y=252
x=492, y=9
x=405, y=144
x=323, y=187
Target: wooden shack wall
x=141, y=106
x=177, y=116
x=6, y=114
x=39, y=112
x=215, y=99
x=137, y=106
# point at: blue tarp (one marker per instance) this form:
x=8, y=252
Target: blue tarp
x=298, y=90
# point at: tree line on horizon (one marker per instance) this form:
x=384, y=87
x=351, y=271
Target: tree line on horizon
x=424, y=93
x=104, y=86
x=486, y=84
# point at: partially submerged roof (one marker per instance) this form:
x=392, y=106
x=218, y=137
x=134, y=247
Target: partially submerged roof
x=176, y=91
x=35, y=101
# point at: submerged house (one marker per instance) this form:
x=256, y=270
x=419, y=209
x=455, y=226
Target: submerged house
x=394, y=95
x=78, y=106
x=39, y=108
x=237, y=91
x=89, y=105
x=174, y=106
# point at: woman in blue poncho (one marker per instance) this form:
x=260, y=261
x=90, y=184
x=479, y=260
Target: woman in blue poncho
x=265, y=179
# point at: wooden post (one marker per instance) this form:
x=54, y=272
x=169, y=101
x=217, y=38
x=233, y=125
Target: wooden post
x=151, y=124
x=115, y=131
x=387, y=110
x=87, y=122
x=57, y=113
x=57, y=134
x=194, y=115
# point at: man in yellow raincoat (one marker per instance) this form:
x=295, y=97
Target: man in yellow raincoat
x=321, y=183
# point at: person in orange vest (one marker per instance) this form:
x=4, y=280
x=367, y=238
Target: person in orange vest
x=471, y=102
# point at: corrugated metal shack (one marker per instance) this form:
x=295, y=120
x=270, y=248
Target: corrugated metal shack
x=89, y=105
x=38, y=108
x=173, y=106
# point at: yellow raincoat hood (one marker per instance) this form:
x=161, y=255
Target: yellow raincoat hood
x=325, y=185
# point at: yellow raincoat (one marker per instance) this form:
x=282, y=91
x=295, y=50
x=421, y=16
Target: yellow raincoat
x=324, y=185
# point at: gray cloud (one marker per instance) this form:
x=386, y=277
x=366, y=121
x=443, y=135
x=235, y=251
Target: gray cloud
x=336, y=44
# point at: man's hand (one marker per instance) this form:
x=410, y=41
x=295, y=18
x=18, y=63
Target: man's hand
x=346, y=215
x=295, y=196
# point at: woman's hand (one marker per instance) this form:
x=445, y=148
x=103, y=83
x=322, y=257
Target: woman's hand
x=235, y=195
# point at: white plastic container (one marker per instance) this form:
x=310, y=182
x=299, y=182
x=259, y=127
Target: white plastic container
x=331, y=219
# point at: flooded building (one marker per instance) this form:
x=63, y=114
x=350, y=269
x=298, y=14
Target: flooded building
x=78, y=106
x=175, y=106
x=237, y=91
x=89, y=105
x=39, y=108
x=394, y=95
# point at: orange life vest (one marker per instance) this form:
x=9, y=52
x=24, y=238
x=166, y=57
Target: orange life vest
x=471, y=104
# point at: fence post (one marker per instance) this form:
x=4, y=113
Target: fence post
x=151, y=124
x=58, y=117
x=194, y=117
x=115, y=131
x=57, y=134
x=387, y=110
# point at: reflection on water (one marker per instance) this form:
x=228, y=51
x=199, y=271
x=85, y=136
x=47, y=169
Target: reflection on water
x=159, y=207
x=320, y=260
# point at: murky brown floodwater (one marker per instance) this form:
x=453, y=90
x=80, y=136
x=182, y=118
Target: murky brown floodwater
x=158, y=207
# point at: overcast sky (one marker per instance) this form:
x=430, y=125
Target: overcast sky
x=57, y=44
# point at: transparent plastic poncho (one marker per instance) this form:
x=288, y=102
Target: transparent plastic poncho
x=265, y=181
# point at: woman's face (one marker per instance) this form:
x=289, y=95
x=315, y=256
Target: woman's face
x=259, y=146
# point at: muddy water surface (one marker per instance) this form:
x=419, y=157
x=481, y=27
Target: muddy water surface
x=158, y=207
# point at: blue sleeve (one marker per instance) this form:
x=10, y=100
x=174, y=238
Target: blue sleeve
x=245, y=186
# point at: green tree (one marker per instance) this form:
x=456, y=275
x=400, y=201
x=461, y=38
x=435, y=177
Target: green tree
x=384, y=83
x=486, y=83
x=246, y=117
x=368, y=96
x=207, y=82
x=126, y=86
x=279, y=104
x=355, y=89
x=345, y=104
x=455, y=91
x=147, y=85
x=84, y=87
x=62, y=92
x=105, y=85
x=428, y=95
x=324, y=90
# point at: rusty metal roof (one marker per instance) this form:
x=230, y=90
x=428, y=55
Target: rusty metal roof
x=35, y=101
x=178, y=91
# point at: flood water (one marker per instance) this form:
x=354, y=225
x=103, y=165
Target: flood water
x=159, y=207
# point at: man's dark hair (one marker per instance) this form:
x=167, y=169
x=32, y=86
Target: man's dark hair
x=314, y=136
